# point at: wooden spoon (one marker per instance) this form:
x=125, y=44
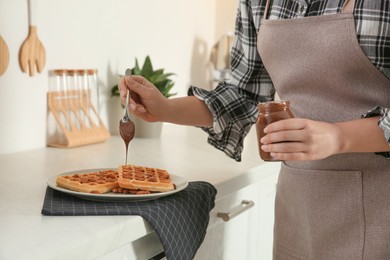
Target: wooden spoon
x=32, y=51
x=4, y=56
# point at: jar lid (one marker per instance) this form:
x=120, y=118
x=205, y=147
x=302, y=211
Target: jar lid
x=270, y=106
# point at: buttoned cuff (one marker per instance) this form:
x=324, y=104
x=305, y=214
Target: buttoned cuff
x=233, y=117
x=383, y=122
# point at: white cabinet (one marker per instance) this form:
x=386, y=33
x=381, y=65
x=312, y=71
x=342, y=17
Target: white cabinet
x=146, y=247
x=246, y=203
x=249, y=234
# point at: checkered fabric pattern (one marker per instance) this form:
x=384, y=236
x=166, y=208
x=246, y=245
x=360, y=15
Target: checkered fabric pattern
x=179, y=220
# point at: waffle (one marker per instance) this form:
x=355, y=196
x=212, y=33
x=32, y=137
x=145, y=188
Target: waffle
x=144, y=178
x=129, y=191
x=93, y=182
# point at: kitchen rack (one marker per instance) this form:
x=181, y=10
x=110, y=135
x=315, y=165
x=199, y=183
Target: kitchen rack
x=78, y=121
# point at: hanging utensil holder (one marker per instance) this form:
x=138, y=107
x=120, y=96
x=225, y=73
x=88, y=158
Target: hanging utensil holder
x=78, y=122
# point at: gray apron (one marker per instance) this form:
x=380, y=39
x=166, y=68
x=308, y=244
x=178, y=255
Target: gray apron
x=338, y=207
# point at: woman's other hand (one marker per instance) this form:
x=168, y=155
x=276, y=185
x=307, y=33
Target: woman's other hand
x=304, y=139
x=301, y=139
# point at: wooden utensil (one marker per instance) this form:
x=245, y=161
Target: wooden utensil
x=32, y=51
x=4, y=56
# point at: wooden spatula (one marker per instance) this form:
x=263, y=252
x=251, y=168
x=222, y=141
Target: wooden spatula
x=32, y=51
x=4, y=56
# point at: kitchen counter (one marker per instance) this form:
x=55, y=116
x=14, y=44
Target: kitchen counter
x=26, y=234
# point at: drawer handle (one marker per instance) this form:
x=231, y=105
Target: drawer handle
x=245, y=205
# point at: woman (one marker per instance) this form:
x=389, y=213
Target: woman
x=331, y=59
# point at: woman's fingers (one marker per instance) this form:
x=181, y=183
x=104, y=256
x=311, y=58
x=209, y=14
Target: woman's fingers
x=285, y=147
x=136, y=108
x=282, y=136
x=286, y=124
x=139, y=79
x=137, y=84
x=298, y=156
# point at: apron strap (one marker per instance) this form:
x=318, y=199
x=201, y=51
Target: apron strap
x=348, y=7
x=266, y=9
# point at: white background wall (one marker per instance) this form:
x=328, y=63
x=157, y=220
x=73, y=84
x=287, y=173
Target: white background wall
x=106, y=35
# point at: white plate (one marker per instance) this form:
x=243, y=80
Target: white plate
x=180, y=182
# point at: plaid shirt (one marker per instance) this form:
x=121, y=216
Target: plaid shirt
x=233, y=102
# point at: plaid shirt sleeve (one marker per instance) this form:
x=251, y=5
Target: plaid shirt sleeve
x=233, y=103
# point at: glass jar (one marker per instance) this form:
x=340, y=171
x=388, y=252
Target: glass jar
x=270, y=112
x=93, y=88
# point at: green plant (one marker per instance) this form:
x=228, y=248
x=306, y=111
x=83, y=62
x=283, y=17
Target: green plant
x=157, y=77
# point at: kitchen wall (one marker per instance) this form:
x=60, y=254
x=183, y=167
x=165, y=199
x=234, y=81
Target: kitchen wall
x=225, y=16
x=106, y=35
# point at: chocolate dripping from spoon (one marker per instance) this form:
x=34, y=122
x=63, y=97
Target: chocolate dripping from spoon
x=126, y=125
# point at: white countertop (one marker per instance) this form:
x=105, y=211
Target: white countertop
x=26, y=234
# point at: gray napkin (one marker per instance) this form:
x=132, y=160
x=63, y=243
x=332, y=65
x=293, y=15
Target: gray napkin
x=179, y=220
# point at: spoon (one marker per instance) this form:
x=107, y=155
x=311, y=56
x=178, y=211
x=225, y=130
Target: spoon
x=126, y=125
x=126, y=116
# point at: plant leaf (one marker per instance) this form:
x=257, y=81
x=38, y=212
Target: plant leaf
x=157, y=77
x=136, y=70
x=115, y=91
x=163, y=77
x=159, y=71
x=147, y=68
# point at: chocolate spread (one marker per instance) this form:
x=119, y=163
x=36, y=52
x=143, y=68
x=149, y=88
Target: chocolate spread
x=126, y=130
x=270, y=112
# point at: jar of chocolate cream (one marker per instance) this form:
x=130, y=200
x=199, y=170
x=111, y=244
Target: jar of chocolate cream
x=270, y=112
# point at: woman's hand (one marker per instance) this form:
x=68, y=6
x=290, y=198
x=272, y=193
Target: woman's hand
x=149, y=104
x=304, y=139
x=301, y=139
x=146, y=101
